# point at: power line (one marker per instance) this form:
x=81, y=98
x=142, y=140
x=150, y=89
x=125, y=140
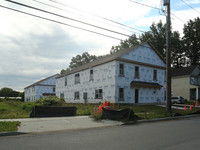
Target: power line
x=67, y=18
x=190, y=6
x=155, y=8
x=63, y=4
x=84, y=16
x=59, y=22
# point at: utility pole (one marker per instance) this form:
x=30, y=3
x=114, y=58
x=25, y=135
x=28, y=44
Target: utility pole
x=168, y=56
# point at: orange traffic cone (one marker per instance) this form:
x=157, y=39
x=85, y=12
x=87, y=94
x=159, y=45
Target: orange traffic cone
x=190, y=107
x=185, y=108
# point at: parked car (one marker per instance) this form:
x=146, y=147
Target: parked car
x=178, y=100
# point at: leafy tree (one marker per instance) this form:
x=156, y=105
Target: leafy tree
x=8, y=92
x=157, y=36
x=79, y=60
x=191, y=40
x=133, y=40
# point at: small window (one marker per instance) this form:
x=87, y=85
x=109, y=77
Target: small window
x=76, y=95
x=91, y=74
x=121, y=94
x=121, y=69
x=65, y=81
x=99, y=94
x=155, y=75
x=137, y=73
x=54, y=89
x=77, y=78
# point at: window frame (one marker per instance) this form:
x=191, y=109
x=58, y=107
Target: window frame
x=76, y=78
x=121, y=69
x=137, y=72
x=99, y=94
x=91, y=75
x=121, y=94
x=76, y=95
x=155, y=75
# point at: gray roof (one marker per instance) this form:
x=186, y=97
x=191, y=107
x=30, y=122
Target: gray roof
x=183, y=71
x=109, y=58
x=38, y=82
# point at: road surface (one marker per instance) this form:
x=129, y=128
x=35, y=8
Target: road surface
x=166, y=135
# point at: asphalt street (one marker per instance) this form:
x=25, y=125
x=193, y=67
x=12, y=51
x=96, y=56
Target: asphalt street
x=180, y=134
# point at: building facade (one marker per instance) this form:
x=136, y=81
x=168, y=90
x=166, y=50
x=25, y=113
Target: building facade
x=42, y=88
x=186, y=82
x=134, y=75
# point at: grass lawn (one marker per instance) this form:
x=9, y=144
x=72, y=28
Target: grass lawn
x=9, y=126
x=17, y=109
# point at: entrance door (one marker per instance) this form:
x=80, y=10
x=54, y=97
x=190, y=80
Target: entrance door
x=136, y=95
x=85, y=97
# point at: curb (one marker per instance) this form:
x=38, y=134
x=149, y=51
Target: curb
x=12, y=133
x=161, y=119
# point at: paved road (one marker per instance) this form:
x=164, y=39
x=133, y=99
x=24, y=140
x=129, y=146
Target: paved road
x=166, y=135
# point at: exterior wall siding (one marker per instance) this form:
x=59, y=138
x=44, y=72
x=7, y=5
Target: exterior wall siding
x=107, y=77
x=103, y=78
x=34, y=92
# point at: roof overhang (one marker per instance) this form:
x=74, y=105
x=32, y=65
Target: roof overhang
x=145, y=84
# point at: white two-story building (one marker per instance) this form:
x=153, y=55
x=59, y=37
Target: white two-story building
x=133, y=75
x=42, y=88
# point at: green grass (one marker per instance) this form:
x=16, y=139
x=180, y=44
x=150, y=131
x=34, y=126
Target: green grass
x=17, y=109
x=9, y=126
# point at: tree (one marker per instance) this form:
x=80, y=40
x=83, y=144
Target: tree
x=79, y=60
x=133, y=40
x=8, y=92
x=191, y=40
x=178, y=55
x=156, y=36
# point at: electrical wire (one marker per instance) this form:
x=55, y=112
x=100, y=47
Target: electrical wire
x=83, y=16
x=59, y=22
x=190, y=6
x=155, y=8
x=63, y=4
x=67, y=17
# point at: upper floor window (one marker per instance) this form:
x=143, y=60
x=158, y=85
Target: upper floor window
x=91, y=74
x=137, y=73
x=65, y=81
x=121, y=69
x=77, y=78
x=121, y=94
x=99, y=94
x=155, y=75
x=76, y=95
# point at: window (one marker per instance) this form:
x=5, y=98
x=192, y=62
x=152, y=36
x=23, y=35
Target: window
x=91, y=74
x=121, y=69
x=155, y=75
x=76, y=95
x=121, y=94
x=137, y=73
x=99, y=94
x=54, y=89
x=65, y=81
x=77, y=78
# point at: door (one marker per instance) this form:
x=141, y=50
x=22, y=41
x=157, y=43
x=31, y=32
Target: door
x=85, y=97
x=136, y=95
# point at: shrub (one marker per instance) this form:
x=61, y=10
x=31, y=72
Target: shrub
x=50, y=101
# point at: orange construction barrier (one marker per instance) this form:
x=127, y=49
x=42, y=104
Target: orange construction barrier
x=106, y=105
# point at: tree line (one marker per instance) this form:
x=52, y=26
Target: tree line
x=8, y=92
x=185, y=51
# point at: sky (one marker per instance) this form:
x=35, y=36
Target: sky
x=32, y=48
